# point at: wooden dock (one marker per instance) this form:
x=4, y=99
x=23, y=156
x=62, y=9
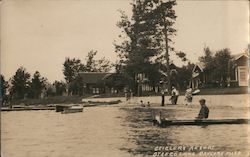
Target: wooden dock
x=27, y=109
x=164, y=122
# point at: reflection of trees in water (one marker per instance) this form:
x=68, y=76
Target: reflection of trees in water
x=143, y=134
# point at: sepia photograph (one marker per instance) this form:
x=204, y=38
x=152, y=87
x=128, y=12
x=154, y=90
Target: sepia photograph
x=124, y=78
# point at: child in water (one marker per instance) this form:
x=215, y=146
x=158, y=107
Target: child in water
x=142, y=105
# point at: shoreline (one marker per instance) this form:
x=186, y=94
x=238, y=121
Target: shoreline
x=105, y=98
x=213, y=101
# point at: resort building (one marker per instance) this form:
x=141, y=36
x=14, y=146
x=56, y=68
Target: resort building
x=199, y=76
x=94, y=82
x=239, y=72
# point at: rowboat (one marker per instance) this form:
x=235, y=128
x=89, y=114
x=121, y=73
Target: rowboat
x=169, y=122
x=60, y=108
x=72, y=109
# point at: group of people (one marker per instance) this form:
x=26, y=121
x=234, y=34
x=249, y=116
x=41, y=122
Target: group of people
x=204, y=111
x=175, y=94
x=144, y=105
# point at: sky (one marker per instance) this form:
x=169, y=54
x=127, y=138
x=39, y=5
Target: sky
x=40, y=34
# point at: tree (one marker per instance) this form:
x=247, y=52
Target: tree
x=103, y=65
x=216, y=65
x=76, y=86
x=135, y=51
x=50, y=91
x=93, y=65
x=184, y=75
x=147, y=36
x=165, y=15
x=221, y=60
x=71, y=69
x=3, y=89
x=60, y=87
x=36, y=86
x=20, y=83
x=90, y=62
x=207, y=59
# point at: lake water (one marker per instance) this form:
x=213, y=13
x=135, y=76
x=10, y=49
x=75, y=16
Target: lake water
x=124, y=130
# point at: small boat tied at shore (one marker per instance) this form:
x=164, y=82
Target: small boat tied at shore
x=68, y=108
x=72, y=109
x=165, y=122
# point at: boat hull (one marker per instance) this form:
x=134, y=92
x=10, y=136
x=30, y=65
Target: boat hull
x=60, y=108
x=72, y=110
x=164, y=122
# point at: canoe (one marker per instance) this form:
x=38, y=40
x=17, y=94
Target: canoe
x=73, y=109
x=168, y=122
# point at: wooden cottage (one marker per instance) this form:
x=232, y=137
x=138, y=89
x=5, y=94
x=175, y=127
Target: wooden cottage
x=103, y=83
x=94, y=82
x=199, y=76
x=239, y=70
x=238, y=73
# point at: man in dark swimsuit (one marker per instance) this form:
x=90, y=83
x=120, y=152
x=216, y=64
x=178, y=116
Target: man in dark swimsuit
x=204, y=111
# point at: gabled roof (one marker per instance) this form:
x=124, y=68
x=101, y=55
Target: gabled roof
x=238, y=56
x=93, y=77
x=200, y=65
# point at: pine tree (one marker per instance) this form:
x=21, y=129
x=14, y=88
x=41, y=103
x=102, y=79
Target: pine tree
x=20, y=83
x=3, y=89
x=36, y=86
x=148, y=37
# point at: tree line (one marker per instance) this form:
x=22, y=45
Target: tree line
x=22, y=85
x=145, y=46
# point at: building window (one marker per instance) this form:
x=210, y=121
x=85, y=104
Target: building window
x=96, y=90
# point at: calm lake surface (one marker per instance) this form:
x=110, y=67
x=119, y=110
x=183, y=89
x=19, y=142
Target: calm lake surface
x=124, y=130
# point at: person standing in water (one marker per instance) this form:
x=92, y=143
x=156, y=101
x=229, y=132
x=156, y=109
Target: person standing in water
x=142, y=105
x=148, y=104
